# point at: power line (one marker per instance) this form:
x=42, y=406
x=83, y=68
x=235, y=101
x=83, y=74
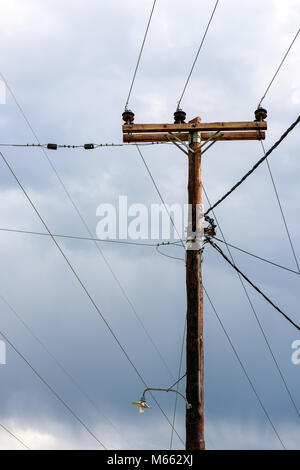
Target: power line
x=140, y=54
x=255, y=314
x=82, y=285
x=243, y=368
x=83, y=221
x=255, y=166
x=52, y=390
x=279, y=67
x=217, y=248
x=157, y=248
x=257, y=257
x=177, y=382
x=181, y=259
x=177, y=385
x=159, y=193
x=58, y=363
x=74, y=237
x=199, y=49
x=14, y=436
x=168, y=256
x=152, y=245
x=84, y=146
x=281, y=210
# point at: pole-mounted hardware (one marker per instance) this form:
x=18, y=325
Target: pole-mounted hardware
x=179, y=116
x=210, y=231
x=178, y=140
x=243, y=130
x=193, y=138
x=260, y=114
x=128, y=117
x=142, y=404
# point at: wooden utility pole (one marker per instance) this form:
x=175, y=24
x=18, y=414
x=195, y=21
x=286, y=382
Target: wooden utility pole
x=195, y=133
x=194, y=344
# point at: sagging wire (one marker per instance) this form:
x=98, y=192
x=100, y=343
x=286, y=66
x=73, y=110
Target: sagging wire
x=217, y=248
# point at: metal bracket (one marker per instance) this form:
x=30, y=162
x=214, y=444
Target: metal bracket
x=212, y=138
x=189, y=149
x=210, y=145
x=211, y=230
x=194, y=137
x=181, y=142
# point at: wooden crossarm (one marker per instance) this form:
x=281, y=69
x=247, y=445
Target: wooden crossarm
x=185, y=136
x=212, y=126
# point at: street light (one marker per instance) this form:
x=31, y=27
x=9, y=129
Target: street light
x=142, y=404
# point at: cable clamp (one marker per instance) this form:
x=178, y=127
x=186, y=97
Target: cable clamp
x=210, y=231
x=195, y=137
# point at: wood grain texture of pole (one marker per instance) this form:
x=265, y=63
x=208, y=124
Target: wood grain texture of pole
x=194, y=344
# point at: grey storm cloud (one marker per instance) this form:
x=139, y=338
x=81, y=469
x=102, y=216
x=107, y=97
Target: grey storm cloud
x=70, y=65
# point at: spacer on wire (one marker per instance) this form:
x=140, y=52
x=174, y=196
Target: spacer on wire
x=260, y=114
x=128, y=116
x=89, y=146
x=179, y=116
x=52, y=146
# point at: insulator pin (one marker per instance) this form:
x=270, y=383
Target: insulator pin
x=260, y=114
x=128, y=116
x=179, y=116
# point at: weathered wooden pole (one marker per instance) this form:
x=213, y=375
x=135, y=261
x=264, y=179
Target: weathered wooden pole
x=194, y=342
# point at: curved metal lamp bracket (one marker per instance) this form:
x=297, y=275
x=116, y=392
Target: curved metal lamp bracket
x=188, y=405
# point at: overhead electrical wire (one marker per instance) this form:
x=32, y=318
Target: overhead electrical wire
x=84, y=146
x=169, y=256
x=182, y=244
x=255, y=314
x=159, y=194
x=178, y=382
x=260, y=328
x=82, y=284
x=278, y=68
x=257, y=257
x=197, y=54
x=261, y=160
x=180, y=259
x=58, y=363
x=217, y=248
x=281, y=210
x=150, y=144
x=140, y=55
x=52, y=390
x=244, y=369
x=268, y=344
x=14, y=436
x=74, y=237
x=83, y=221
x=289, y=237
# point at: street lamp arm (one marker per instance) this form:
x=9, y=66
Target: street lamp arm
x=188, y=405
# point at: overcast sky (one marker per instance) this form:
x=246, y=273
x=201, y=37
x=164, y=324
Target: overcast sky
x=70, y=65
